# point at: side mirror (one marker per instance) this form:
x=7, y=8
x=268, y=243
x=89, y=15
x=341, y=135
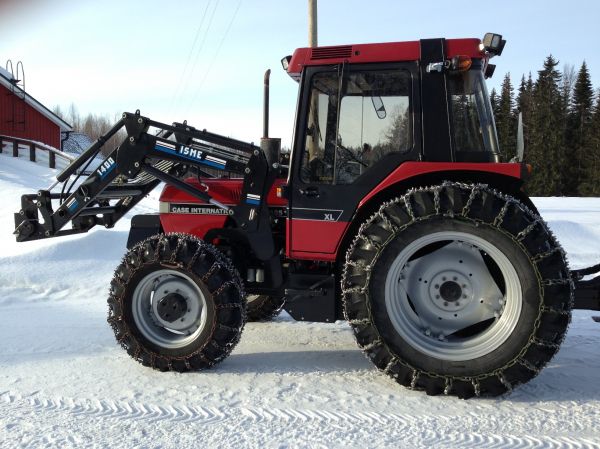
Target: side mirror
x=379, y=107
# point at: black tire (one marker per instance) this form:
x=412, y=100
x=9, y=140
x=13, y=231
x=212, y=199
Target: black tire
x=197, y=267
x=542, y=276
x=263, y=307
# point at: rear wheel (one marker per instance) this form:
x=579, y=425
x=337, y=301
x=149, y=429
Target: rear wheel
x=263, y=307
x=457, y=289
x=176, y=303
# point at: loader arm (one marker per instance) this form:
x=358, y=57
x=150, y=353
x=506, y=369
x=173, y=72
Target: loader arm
x=136, y=167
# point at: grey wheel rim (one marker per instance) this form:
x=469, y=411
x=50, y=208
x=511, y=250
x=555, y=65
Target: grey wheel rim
x=152, y=292
x=254, y=299
x=444, y=301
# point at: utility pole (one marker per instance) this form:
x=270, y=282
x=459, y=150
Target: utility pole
x=312, y=138
x=312, y=23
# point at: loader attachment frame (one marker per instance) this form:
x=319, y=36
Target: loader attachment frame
x=136, y=167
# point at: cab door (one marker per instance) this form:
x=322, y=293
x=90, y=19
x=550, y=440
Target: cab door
x=355, y=125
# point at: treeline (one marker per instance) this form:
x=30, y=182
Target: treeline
x=93, y=125
x=561, y=118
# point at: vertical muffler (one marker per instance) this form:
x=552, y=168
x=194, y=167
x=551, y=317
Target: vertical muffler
x=271, y=147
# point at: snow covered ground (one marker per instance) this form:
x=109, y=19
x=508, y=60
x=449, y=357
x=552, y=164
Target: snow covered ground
x=65, y=383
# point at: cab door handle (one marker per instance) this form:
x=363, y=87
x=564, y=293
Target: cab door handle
x=311, y=192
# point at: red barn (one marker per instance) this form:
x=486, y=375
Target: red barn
x=24, y=117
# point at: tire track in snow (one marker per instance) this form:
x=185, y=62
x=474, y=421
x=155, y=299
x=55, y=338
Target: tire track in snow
x=439, y=432
x=206, y=415
x=153, y=413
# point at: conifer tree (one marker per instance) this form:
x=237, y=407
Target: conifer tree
x=590, y=135
x=505, y=120
x=525, y=107
x=579, y=137
x=546, y=152
x=494, y=102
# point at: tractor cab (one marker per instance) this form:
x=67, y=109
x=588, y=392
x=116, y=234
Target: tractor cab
x=365, y=110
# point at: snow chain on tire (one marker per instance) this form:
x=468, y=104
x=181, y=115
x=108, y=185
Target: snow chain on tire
x=478, y=205
x=195, y=259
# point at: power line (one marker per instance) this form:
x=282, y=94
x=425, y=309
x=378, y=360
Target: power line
x=195, y=96
x=189, y=57
x=210, y=21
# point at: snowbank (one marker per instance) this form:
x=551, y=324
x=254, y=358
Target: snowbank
x=64, y=382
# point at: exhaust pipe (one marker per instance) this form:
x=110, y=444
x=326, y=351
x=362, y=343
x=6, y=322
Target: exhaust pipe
x=266, y=105
x=271, y=146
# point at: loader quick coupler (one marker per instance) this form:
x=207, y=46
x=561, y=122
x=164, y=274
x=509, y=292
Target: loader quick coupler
x=27, y=219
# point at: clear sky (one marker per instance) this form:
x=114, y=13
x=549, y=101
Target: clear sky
x=204, y=60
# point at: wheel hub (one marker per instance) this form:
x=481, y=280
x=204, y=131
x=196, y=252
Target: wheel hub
x=169, y=308
x=172, y=307
x=450, y=291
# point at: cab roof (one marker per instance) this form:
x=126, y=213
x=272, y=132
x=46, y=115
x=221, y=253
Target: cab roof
x=380, y=52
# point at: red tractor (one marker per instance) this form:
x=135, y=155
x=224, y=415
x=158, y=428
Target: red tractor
x=393, y=212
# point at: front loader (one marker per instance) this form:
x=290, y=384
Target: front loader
x=393, y=212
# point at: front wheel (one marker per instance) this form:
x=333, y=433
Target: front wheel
x=176, y=303
x=457, y=289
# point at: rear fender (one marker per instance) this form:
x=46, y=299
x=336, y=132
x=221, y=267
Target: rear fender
x=507, y=178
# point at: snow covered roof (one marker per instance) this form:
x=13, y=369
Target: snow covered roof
x=6, y=74
x=7, y=80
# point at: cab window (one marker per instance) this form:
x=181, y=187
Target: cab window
x=354, y=121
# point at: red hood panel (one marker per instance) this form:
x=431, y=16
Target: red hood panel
x=225, y=190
